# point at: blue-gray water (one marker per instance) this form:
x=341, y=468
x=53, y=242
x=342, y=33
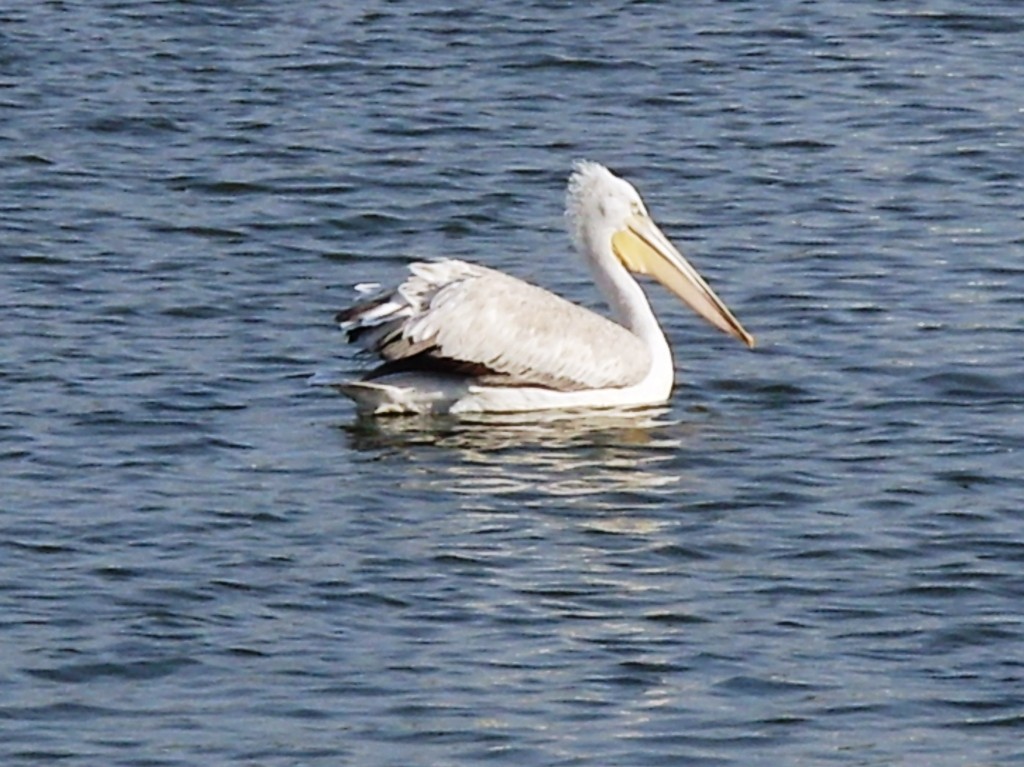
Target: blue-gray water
x=813, y=555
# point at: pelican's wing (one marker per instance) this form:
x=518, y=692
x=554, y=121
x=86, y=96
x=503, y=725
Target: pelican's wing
x=451, y=315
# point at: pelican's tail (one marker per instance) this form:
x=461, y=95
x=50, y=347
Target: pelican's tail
x=420, y=394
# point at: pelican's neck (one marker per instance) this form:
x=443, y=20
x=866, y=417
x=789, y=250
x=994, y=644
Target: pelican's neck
x=629, y=304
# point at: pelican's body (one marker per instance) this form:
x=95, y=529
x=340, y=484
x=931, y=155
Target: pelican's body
x=457, y=337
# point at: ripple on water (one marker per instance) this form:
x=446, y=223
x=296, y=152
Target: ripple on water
x=811, y=555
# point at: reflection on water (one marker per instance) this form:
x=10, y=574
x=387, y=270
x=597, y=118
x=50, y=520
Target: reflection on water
x=594, y=455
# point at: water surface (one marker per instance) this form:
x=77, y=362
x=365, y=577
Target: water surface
x=811, y=555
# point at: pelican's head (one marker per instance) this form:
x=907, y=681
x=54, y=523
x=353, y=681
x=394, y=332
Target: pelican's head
x=607, y=216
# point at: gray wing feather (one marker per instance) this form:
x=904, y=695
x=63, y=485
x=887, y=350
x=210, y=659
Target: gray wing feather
x=524, y=335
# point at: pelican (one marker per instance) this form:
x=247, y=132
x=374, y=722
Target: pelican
x=456, y=337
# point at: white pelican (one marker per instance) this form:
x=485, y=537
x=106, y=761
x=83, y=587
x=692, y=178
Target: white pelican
x=456, y=337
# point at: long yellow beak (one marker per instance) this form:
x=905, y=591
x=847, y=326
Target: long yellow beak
x=643, y=249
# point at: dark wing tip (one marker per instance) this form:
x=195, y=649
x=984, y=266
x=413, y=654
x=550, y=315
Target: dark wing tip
x=352, y=313
x=347, y=315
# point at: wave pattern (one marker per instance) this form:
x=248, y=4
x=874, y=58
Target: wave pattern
x=813, y=555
